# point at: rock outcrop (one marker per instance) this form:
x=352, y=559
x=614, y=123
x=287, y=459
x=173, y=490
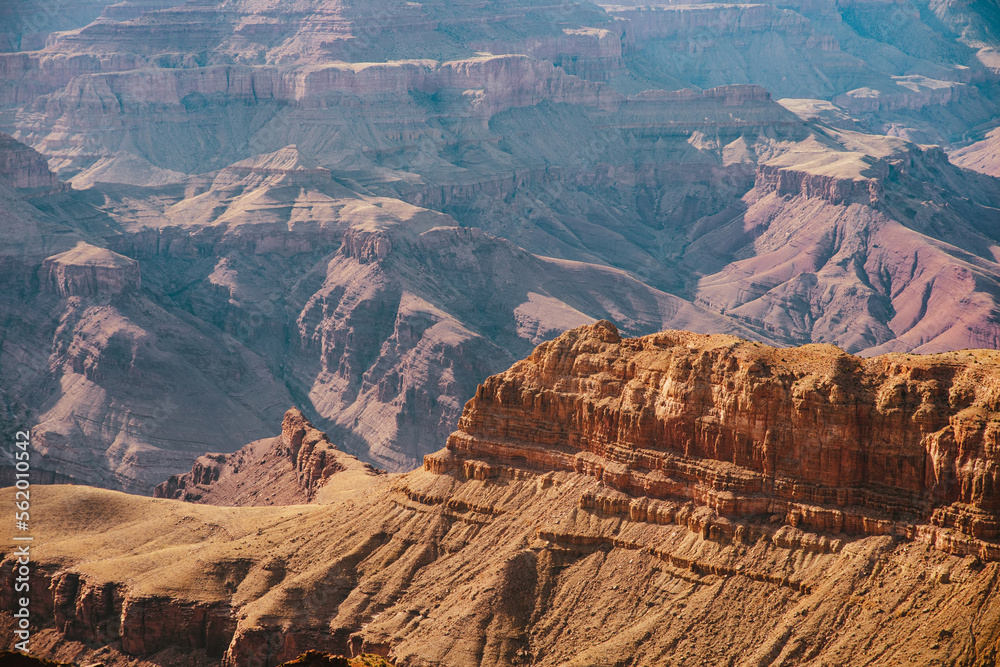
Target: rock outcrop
x=87, y=270
x=25, y=168
x=832, y=188
x=909, y=92
x=894, y=445
x=290, y=469
x=287, y=162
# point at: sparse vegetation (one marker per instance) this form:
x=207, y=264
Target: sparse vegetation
x=323, y=659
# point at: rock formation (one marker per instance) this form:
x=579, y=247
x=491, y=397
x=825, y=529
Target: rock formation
x=676, y=497
x=894, y=445
x=26, y=169
x=87, y=270
x=292, y=468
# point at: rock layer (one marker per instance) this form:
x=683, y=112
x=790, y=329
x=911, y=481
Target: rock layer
x=532, y=562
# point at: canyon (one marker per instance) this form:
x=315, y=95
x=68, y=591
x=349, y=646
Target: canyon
x=601, y=501
x=625, y=334
x=271, y=284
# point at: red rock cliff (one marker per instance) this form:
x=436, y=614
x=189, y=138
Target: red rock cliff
x=898, y=444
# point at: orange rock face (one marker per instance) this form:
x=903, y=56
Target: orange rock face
x=899, y=444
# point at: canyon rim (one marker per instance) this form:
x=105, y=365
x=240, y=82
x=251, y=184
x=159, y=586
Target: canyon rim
x=505, y=332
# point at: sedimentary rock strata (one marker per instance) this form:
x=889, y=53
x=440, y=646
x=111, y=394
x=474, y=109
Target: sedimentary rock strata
x=366, y=208
x=894, y=445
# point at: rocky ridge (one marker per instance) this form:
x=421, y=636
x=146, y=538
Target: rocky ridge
x=290, y=469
